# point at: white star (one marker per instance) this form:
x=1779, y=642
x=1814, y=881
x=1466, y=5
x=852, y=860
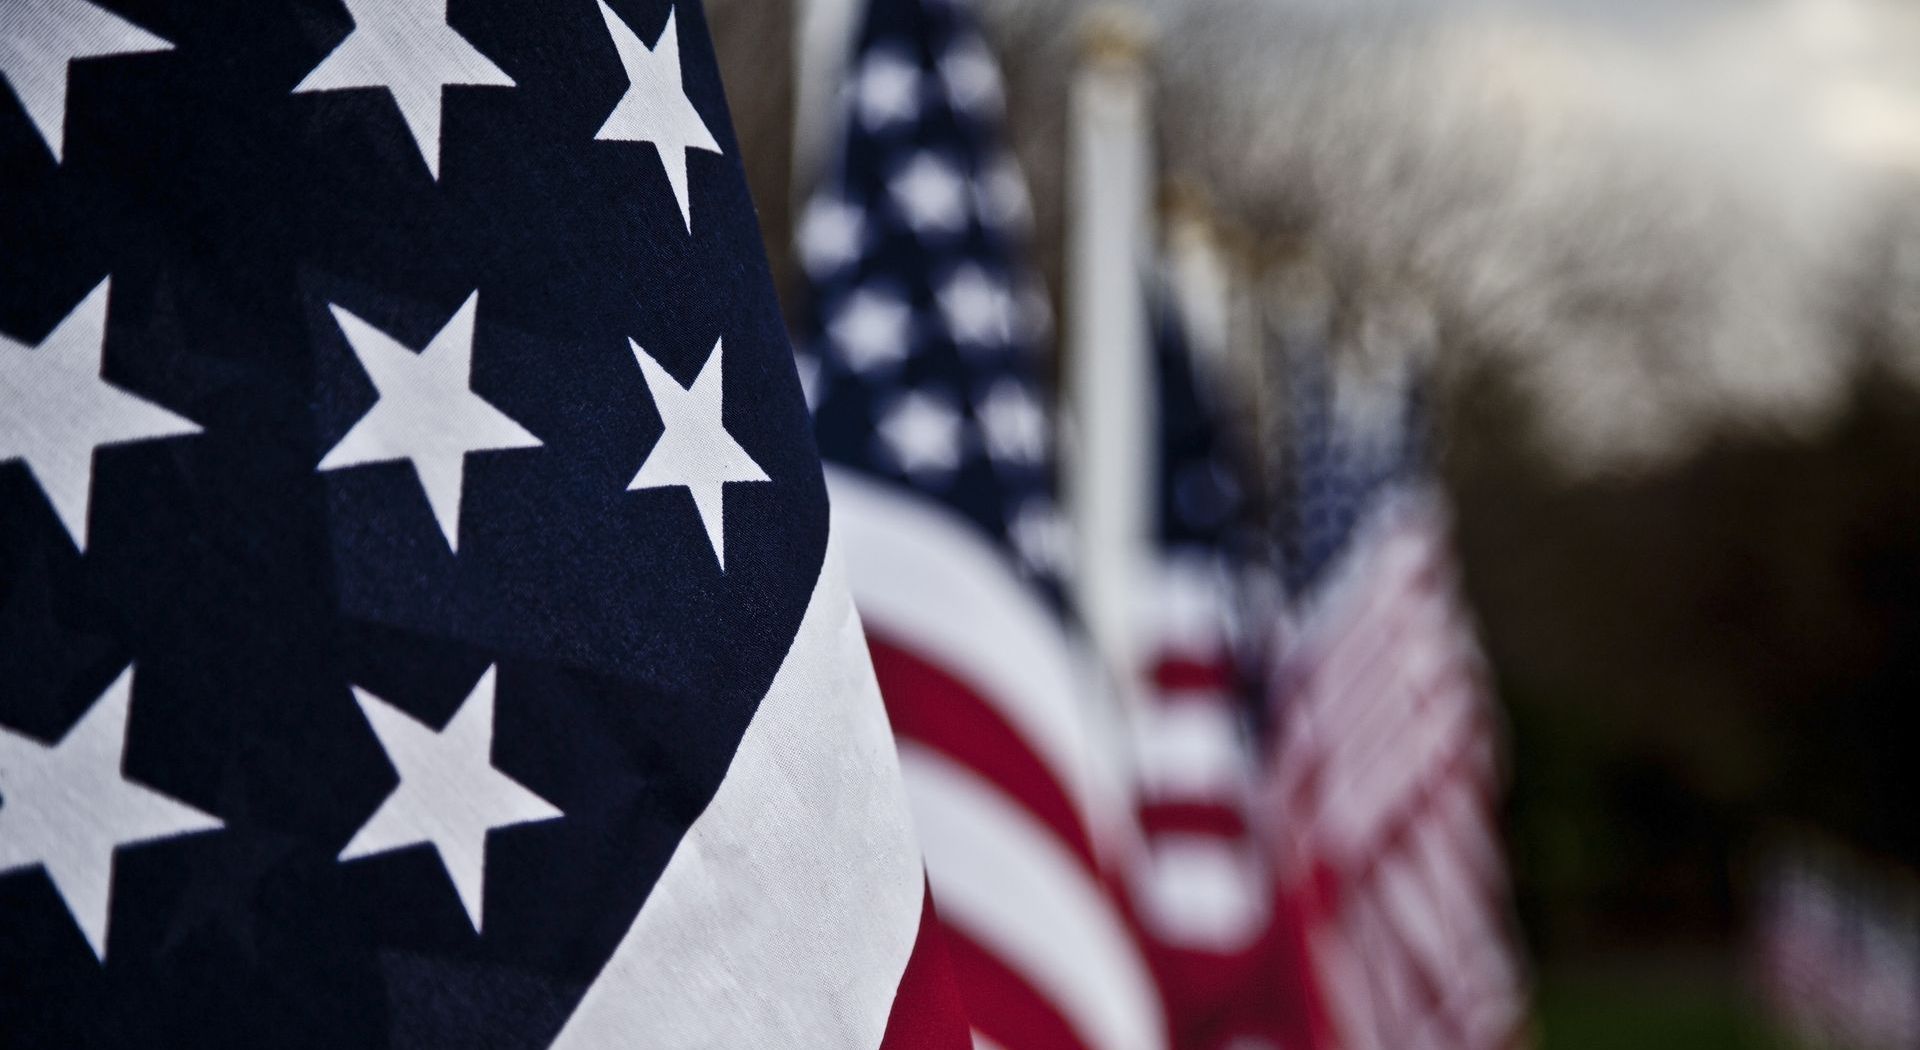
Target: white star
x=1013, y=423
x=1040, y=534
x=450, y=795
x=972, y=79
x=831, y=235
x=922, y=431
x=407, y=48
x=871, y=329
x=59, y=408
x=695, y=450
x=1000, y=193
x=68, y=807
x=978, y=308
x=426, y=412
x=931, y=195
x=38, y=38
x=887, y=89
x=656, y=108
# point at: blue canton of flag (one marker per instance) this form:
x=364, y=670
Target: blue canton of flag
x=1350, y=441
x=418, y=622
x=1202, y=501
x=922, y=357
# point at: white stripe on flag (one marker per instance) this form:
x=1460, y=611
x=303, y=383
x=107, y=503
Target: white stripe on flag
x=1201, y=892
x=1190, y=750
x=1367, y=797
x=1462, y=810
x=1409, y=907
x=1006, y=882
x=787, y=913
x=1185, y=605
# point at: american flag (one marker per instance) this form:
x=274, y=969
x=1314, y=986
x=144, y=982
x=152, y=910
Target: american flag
x=923, y=355
x=420, y=622
x=1385, y=780
x=1836, y=948
x=1202, y=885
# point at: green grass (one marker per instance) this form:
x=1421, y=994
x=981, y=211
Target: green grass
x=1656, y=1009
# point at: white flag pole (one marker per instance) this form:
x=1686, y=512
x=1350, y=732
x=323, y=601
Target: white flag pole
x=1199, y=271
x=823, y=36
x=1212, y=280
x=1108, y=412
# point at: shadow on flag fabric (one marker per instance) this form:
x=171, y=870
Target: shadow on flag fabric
x=420, y=619
x=922, y=361
x=1385, y=781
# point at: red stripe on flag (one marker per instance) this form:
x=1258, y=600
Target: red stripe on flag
x=1005, y=1008
x=933, y=708
x=927, y=1011
x=1176, y=673
x=1198, y=818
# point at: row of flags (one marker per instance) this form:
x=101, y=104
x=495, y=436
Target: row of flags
x=925, y=357
x=442, y=605
x=1289, y=838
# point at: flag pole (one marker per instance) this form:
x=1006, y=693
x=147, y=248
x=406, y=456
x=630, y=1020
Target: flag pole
x=823, y=36
x=1107, y=414
x=1198, y=267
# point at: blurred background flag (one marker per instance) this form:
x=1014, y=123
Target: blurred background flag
x=1385, y=781
x=409, y=635
x=1202, y=884
x=1836, y=947
x=923, y=361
